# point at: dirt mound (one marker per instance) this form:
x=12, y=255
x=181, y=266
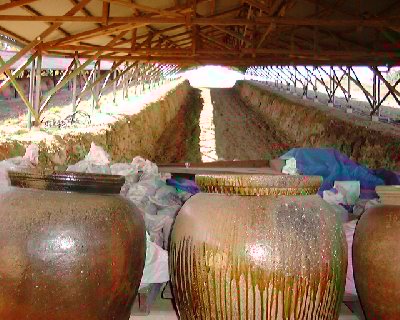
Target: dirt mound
x=375, y=145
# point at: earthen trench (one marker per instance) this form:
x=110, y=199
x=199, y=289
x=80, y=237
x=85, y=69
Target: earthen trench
x=245, y=122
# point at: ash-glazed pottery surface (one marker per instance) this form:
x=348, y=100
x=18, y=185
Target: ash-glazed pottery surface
x=258, y=247
x=376, y=257
x=66, y=254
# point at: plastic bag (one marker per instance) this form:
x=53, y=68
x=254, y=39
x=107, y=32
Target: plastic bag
x=96, y=161
x=171, y=211
x=96, y=168
x=350, y=288
x=349, y=189
x=97, y=155
x=155, y=225
x=28, y=161
x=156, y=265
x=146, y=166
x=165, y=196
x=137, y=193
x=333, y=197
x=32, y=154
x=290, y=167
x=125, y=169
x=80, y=166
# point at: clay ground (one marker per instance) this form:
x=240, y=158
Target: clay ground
x=226, y=130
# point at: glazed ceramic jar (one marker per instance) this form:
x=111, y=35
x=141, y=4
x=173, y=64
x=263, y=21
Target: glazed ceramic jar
x=258, y=247
x=70, y=248
x=376, y=257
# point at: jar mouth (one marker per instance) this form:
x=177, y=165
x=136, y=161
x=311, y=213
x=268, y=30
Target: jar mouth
x=259, y=184
x=68, y=181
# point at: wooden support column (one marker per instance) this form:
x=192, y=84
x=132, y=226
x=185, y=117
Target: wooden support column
x=142, y=77
x=295, y=83
x=348, y=85
x=74, y=88
x=125, y=84
x=315, y=85
x=115, y=87
x=38, y=86
x=54, y=78
x=374, y=100
x=98, y=76
x=31, y=92
x=331, y=101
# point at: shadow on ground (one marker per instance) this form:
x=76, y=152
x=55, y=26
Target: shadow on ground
x=180, y=142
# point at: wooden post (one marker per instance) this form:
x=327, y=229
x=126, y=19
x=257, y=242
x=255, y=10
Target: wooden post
x=115, y=87
x=378, y=94
x=38, y=86
x=31, y=92
x=97, y=77
x=74, y=85
x=54, y=78
x=126, y=79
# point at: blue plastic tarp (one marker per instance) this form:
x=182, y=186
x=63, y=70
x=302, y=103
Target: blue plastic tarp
x=335, y=166
x=184, y=185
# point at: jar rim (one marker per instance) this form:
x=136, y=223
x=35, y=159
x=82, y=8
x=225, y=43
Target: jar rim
x=259, y=184
x=67, y=181
x=389, y=195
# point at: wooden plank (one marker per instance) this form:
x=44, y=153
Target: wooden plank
x=106, y=12
x=216, y=170
x=220, y=164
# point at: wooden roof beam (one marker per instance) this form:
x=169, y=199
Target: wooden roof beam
x=233, y=34
x=258, y=61
x=15, y=3
x=326, y=22
x=144, y=8
x=5, y=67
x=37, y=13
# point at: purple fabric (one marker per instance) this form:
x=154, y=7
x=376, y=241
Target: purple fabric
x=184, y=185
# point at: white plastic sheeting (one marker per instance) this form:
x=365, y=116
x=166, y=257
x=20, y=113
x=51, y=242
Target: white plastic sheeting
x=28, y=161
x=158, y=202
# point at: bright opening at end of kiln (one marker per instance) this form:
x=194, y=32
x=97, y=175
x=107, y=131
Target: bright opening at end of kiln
x=212, y=77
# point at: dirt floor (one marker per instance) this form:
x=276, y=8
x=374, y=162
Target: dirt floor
x=240, y=133
x=215, y=124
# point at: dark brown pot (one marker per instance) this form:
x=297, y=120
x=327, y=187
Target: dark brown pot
x=258, y=247
x=376, y=257
x=65, y=254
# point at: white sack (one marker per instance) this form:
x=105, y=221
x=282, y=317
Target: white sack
x=156, y=266
x=349, y=189
x=350, y=288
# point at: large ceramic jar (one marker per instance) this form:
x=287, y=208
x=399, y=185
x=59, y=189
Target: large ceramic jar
x=70, y=248
x=376, y=257
x=258, y=247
